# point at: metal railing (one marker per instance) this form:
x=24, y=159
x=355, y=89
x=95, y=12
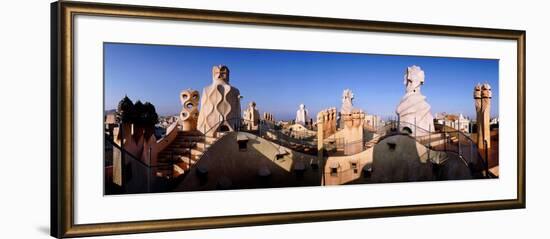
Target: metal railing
x=446, y=140
x=126, y=173
x=449, y=140
x=267, y=130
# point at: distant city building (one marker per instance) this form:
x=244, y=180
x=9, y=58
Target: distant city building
x=458, y=122
x=165, y=121
x=283, y=123
x=302, y=116
x=373, y=121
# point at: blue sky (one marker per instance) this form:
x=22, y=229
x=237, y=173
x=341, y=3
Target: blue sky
x=278, y=80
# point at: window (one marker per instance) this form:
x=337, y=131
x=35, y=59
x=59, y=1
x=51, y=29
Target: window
x=334, y=172
x=242, y=145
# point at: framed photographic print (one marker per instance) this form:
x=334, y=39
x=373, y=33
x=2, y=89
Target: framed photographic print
x=172, y=119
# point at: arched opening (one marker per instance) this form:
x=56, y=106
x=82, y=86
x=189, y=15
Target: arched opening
x=223, y=128
x=367, y=170
x=406, y=130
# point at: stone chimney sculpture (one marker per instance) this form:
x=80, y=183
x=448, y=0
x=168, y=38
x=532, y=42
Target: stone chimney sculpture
x=353, y=120
x=189, y=113
x=482, y=99
x=413, y=110
x=347, y=102
x=251, y=116
x=302, y=115
x=353, y=132
x=326, y=123
x=268, y=117
x=220, y=104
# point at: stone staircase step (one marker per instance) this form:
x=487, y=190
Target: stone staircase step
x=202, y=146
x=190, y=138
x=210, y=140
x=167, y=155
x=196, y=152
x=184, y=144
x=188, y=160
x=175, y=150
x=179, y=169
x=186, y=149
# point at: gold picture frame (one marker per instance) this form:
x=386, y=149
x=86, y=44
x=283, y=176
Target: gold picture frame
x=62, y=123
